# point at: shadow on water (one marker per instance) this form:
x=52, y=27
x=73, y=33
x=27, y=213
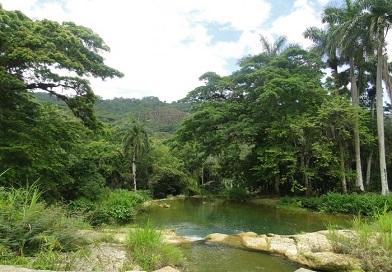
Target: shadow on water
x=196, y=217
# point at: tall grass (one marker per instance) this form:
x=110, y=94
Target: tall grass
x=149, y=250
x=371, y=242
x=31, y=232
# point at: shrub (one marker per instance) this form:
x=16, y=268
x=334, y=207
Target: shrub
x=148, y=249
x=238, y=194
x=364, y=204
x=115, y=207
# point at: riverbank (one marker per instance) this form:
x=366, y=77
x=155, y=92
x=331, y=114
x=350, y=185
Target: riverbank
x=313, y=250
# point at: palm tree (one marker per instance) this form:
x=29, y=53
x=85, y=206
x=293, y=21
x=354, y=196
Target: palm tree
x=377, y=17
x=273, y=49
x=346, y=32
x=325, y=47
x=134, y=141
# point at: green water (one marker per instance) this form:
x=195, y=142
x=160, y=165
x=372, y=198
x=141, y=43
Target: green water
x=196, y=217
x=212, y=257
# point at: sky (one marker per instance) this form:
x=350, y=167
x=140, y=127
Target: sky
x=164, y=46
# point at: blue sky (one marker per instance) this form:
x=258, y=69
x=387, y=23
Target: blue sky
x=163, y=46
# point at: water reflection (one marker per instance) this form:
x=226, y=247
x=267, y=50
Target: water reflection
x=200, y=217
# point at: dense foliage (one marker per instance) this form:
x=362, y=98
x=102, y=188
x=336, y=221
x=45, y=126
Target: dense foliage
x=274, y=127
x=280, y=125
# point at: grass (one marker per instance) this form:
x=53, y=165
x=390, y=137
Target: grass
x=371, y=241
x=148, y=249
x=34, y=235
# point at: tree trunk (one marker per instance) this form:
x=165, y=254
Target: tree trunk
x=202, y=174
x=355, y=101
x=369, y=168
x=342, y=168
x=335, y=75
x=380, y=121
x=134, y=171
x=307, y=184
x=370, y=158
x=276, y=185
x=387, y=78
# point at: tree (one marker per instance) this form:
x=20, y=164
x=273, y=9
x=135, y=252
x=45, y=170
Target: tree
x=56, y=58
x=378, y=19
x=371, y=22
x=41, y=143
x=134, y=140
x=347, y=34
x=325, y=46
x=249, y=134
x=216, y=88
x=273, y=49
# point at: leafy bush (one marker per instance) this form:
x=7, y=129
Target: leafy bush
x=29, y=228
x=115, y=207
x=237, y=194
x=168, y=181
x=148, y=249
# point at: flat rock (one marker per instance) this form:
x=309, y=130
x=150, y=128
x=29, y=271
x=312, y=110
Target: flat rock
x=167, y=269
x=233, y=240
x=329, y=261
x=312, y=242
x=255, y=242
x=304, y=270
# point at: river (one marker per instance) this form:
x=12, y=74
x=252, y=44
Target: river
x=198, y=217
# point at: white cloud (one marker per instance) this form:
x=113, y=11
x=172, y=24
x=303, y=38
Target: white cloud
x=147, y=39
x=293, y=25
x=163, y=46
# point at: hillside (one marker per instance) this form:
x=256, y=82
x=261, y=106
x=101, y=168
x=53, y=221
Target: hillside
x=157, y=115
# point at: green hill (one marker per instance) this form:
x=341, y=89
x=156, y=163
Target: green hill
x=157, y=115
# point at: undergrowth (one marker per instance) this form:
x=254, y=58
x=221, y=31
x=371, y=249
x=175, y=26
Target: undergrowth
x=365, y=204
x=149, y=250
x=34, y=235
x=371, y=241
x=117, y=207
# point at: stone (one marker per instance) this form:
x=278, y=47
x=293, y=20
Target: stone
x=312, y=250
x=255, y=242
x=9, y=268
x=329, y=261
x=167, y=269
x=312, y=242
x=233, y=240
x=304, y=270
x=282, y=245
